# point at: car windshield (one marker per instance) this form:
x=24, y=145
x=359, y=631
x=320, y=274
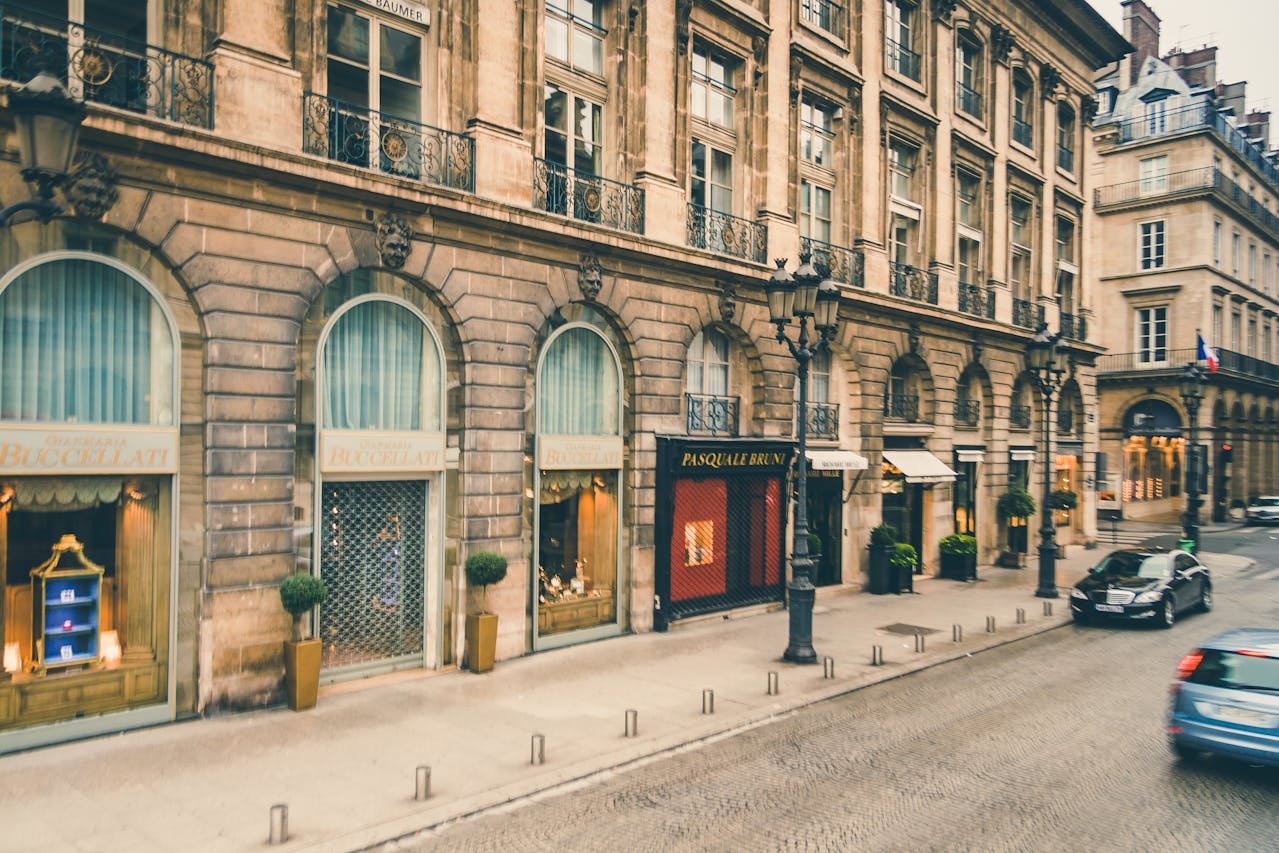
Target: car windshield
x=1131, y=564
x=1239, y=671
x=1266, y=502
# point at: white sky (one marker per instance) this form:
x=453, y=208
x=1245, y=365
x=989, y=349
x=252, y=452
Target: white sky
x=1244, y=32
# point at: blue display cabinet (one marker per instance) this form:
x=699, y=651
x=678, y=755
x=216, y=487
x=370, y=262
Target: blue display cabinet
x=66, y=605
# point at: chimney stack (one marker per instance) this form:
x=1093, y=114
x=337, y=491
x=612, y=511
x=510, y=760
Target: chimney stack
x=1141, y=28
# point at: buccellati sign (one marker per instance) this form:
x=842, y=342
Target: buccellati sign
x=406, y=9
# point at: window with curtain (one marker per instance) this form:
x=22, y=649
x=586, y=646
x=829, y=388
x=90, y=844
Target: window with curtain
x=708, y=364
x=580, y=384
x=381, y=371
x=83, y=342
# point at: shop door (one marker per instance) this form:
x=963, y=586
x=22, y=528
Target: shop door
x=903, y=508
x=825, y=510
x=372, y=559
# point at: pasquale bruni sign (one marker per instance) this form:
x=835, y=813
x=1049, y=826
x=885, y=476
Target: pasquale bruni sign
x=382, y=453
x=690, y=458
x=47, y=449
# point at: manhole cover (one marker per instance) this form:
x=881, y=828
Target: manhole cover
x=903, y=628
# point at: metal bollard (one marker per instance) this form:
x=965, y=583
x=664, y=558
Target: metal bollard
x=828, y=667
x=279, y=824
x=1021, y=616
x=708, y=701
x=1048, y=608
x=876, y=655
x=632, y=723
x=956, y=633
x=538, y=754
x=990, y=624
x=772, y=683
x=422, y=789
x=919, y=642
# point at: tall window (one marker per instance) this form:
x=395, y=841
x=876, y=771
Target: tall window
x=712, y=177
x=1236, y=330
x=713, y=90
x=969, y=227
x=1216, y=242
x=1023, y=110
x=714, y=140
x=1265, y=274
x=1152, y=335
x=1066, y=138
x=1252, y=263
x=374, y=65
x=1156, y=117
x=1218, y=327
x=1252, y=335
x=1021, y=261
x=1236, y=252
x=1067, y=264
x=816, y=188
x=572, y=131
x=901, y=170
x=968, y=75
x=1154, y=177
x=574, y=35
x=899, y=34
x=1152, y=245
x=708, y=364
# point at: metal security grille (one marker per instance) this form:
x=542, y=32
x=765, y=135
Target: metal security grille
x=371, y=559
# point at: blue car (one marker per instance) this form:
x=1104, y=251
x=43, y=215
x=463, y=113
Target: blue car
x=1226, y=698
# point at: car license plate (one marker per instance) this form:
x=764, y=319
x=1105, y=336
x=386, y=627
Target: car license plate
x=1109, y=608
x=1244, y=717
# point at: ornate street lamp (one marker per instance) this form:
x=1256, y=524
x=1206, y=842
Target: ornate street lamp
x=1192, y=393
x=47, y=121
x=1043, y=360
x=802, y=296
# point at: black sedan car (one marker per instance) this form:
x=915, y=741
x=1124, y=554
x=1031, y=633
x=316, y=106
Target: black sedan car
x=1143, y=585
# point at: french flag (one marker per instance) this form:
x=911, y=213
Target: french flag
x=1208, y=354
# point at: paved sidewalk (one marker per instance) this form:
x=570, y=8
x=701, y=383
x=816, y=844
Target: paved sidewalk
x=346, y=768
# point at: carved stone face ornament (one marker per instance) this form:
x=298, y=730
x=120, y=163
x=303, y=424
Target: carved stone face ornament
x=91, y=186
x=590, y=277
x=394, y=239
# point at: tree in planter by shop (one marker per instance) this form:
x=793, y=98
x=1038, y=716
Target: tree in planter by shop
x=483, y=568
x=882, y=577
x=300, y=594
x=902, y=562
x=1014, y=503
x=958, y=556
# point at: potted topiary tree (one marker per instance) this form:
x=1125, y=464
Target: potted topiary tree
x=1064, y=499
x=902, y=567
x=1013, y=508
x=958, y=556
x=482, y=568
x=300, y=594
x=882, y=539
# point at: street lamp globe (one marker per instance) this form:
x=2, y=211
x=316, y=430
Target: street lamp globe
x=806, y=281
x=1192, y=384
x=826, y=317
x=1041, y=352
x=48, y=121
x=780, y=291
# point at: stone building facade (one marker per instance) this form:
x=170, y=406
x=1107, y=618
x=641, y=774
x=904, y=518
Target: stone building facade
x=1187, y=195
x=382, y=285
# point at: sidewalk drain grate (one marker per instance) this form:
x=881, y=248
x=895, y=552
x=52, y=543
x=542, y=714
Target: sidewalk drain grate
x=903, y=628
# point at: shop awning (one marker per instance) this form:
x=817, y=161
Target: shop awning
x=920, y=466
x=836, y=460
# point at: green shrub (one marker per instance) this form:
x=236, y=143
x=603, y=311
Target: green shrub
x=299, y=594
x=958, y=544
x=814, y=544
x=883, y=536
x=1015, y=503
x=484, y=568
x=903, y=556
x=1064, y=499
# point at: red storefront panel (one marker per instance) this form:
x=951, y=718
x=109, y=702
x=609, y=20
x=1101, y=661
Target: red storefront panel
x=699, y=502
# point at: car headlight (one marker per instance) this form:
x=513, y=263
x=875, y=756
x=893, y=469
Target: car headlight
x=1148, y=597
x=1078, y=593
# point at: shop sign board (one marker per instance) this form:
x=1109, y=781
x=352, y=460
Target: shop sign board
x=36, y=449
x=758, y=457
x=579, y=453
x=354, y=452
x=405, y=9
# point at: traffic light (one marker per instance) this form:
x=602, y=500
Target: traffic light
x=1227, y=454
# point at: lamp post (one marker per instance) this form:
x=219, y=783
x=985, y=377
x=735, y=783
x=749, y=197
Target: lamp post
x=1042, y=358
x=1192, y=385
x=802, y=297
x=47, y=122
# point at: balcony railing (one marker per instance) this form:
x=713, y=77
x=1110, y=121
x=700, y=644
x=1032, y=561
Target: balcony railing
x=1074, y=327
x=902, y=407
x=968, y=100
x=968, y=412
x=725, y=234
x=903, y=60
x=836, y=262
x=590, y=198
x=1027, y=314
x=1023, y=133
x=1174, y=361
x=911, y=282
x=1019, y=416
x=822, y=13
x=977, y=300
x=823, y=420
x=397, y=146
x=1066, y=159
x=710, y=414
x=106, y=68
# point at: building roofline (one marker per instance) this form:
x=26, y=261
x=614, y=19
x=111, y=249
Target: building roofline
x=1099, y=41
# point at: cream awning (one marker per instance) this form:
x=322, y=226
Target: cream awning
x=920, y=466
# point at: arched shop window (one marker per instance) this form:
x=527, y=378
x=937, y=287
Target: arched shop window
x=579, y=467
x=381, y=454
x=88, y=386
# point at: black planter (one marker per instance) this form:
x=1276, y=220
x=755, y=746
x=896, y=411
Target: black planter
x=881, y=580
x=960, y=567
x=905, y=577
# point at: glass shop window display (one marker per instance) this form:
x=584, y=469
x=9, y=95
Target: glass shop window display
x=578, y=530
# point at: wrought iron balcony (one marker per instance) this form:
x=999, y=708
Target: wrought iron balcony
x=1188, y=182
x=911, y=282
x=902, y=407
x=1019, y=416
x=590, y=198
x=1074, y=326
x=710, y=414
x=835, y=262
x=1027, y=314
x=1023, y=133
x=822, y=13
x=968, y=100
x=725, y=234
x=823, y=420
x=1173, y=362
x=106, y=68
x=903, y=60
x=968, y=412
x=977, y=300
x=396, y=146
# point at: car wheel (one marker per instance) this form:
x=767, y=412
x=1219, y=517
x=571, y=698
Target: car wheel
x=1205, y=598
x=1168, y=613
x=1183, y=752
